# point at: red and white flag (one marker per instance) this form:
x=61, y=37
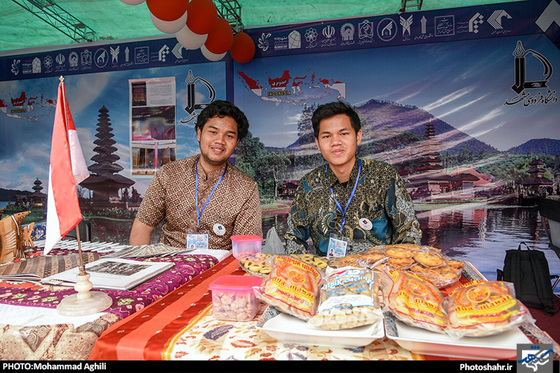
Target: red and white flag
x=68, y=169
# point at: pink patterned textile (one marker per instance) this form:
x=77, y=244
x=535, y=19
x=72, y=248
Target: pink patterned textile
x=125, y=303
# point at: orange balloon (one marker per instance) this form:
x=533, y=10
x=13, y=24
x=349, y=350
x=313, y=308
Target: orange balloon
x=167, y=10
x=243, y=48
x=202, y=16
x=220, y=37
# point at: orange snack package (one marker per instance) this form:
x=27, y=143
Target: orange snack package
x=482, y=308
x=413, y=300
x=292, y=287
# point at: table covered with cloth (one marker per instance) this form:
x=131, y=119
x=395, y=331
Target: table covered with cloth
x=57, y=337
x=180, y=326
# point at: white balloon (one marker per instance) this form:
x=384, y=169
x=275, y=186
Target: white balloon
x=133, y=2
x=211, y=56
x=189, y=39
x=169, y=27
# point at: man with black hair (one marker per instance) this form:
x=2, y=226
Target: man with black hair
x=204, y=194
x=350, y=204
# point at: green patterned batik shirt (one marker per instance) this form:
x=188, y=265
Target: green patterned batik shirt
x=380, y=213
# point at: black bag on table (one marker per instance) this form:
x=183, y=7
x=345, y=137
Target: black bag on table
x=529, y=272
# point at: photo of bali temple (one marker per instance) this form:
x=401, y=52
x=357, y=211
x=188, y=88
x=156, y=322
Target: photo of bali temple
x=104, y=181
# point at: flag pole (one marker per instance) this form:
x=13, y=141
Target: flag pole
x=81, y=264
x=84, y=302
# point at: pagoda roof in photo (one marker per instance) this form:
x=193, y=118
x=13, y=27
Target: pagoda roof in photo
x=106, y=181
x=536, y=181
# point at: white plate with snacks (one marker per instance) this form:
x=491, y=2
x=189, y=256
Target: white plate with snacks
x=293, y=330
x=425, y=342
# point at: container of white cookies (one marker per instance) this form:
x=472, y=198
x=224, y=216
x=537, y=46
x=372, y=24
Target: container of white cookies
x=233, y=298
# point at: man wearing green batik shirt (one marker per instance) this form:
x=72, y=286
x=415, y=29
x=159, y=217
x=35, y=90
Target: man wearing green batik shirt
x=362, y=202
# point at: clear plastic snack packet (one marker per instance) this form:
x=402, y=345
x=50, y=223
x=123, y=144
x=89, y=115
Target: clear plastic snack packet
x=348, y=299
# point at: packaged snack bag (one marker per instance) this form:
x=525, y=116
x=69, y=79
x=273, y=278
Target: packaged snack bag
x=348, y=299
x=482, y=308
x=292, y=286
x=413, y=300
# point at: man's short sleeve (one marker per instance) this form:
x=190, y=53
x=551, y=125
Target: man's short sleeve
x=152, y=208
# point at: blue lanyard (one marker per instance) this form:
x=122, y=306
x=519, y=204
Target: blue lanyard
x=351, y=194
x=199, y=213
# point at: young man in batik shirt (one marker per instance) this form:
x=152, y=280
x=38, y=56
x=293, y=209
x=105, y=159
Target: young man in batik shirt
x=205, y=193
x=360, y=202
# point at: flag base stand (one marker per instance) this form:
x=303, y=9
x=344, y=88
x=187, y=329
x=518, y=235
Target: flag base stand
x=84, y=302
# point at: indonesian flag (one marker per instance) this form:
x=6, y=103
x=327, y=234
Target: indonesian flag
x=68, y=169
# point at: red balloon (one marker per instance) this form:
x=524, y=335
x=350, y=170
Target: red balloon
x=243, y=48
x=220, y=37
x=202, y=16
x=167, y=10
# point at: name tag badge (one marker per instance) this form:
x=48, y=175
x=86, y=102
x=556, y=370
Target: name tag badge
x=337, y=246
x=197, y=240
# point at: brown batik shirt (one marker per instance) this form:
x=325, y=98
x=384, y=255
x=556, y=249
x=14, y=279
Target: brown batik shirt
x=235, y=204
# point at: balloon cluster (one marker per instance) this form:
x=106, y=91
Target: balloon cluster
x=196, y=25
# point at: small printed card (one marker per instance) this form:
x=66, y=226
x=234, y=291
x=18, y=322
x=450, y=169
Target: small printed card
x=337, y=246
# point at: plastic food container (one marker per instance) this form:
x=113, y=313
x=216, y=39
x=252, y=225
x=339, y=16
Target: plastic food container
x=244, y=246
x=233, y=298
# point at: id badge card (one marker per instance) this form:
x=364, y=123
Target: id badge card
x=197, y=240
x=337, y=246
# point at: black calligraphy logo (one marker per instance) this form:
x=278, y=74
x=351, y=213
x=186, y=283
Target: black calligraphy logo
x=192, y=105
x=531, y=92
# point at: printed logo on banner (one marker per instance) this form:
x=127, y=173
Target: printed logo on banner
x=177, y=51
x=444, y=26
x=101, y=58
x=534, y=358
x=115, y=54
x=471, y=25
x=263, y=42
x=36, y=65
x=475, y=21
x=294, y=40
x=328, y=32
x=162, y=53
x=48, y=64
x=60, y=62
x=386, y=29
x=365, y=32
x=424, y=34
x=311, y=37
x=406, y=24
x=73, y=61
x=280, y=43
x=531, y=92
x=495, y=19
x=85, y=59
x=192, y=105
x=347, y=32
x=15, y=66
x=141, y=55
